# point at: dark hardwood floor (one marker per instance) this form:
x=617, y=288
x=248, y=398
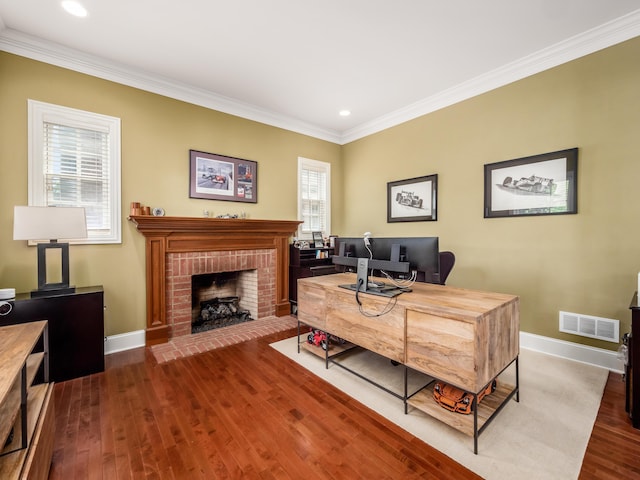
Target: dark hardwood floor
x=613, y=451
x=245, y=411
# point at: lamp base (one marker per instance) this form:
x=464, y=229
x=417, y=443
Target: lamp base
x=53, y=292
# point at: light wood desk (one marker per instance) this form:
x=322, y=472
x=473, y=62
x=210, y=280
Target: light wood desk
x=460, y=336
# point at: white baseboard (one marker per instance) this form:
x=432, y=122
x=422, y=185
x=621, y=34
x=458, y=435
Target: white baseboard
x=573, y=351
x=124, y=341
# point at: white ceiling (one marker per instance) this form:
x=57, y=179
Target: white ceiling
x=295, y=64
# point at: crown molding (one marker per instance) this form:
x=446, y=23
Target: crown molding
x=603, y=36
x=18, y=43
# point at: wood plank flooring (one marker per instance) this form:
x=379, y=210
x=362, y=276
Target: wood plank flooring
x=245, y=411
x=613, y=452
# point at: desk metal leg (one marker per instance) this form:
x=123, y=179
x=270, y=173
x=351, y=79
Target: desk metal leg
x=326, y=354
x=475, y=424
x=406, y=390
x=517, y=379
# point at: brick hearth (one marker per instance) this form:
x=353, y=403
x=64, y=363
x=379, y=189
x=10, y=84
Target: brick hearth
x=220, y=337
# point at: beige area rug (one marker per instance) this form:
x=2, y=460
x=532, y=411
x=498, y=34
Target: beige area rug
x=544, y=436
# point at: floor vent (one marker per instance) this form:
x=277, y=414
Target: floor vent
x=589, y=326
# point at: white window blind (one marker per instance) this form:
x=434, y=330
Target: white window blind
x=314, y=197
x=73, y=163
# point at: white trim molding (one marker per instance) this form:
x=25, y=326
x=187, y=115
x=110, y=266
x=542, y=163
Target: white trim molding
x=559, y=348
x=598, y=357
x=598, y=38
x=124, y=341
x=28, y=46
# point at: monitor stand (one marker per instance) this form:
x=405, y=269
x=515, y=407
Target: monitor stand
x=364, y=285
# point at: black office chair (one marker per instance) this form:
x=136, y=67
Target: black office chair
x=447, y=261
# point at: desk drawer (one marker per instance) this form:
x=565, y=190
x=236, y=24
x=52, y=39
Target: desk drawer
x=442, y=347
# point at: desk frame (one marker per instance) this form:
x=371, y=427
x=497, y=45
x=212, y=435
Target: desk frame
x=444, y=332
x=343, y=349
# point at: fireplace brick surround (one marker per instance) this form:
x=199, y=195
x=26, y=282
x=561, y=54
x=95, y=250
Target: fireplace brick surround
x=182, y=266
x=195, y=245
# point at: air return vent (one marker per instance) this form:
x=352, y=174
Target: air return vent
x=588, y=326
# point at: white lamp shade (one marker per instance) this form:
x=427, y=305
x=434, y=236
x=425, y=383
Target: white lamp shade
x=49, y=223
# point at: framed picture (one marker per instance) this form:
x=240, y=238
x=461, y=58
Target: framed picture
x=318, y=241
x=539, y=185
x=412, y=200
x=218, y=177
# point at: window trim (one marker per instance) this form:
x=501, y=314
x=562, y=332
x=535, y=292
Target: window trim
x=318, y=165
x=38, y=113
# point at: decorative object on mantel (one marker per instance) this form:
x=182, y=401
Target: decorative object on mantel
x=136, y=208
x=232, y=215
x=218, y=177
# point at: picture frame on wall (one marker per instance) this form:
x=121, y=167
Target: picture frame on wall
x=219, y=177
x=544, y=184
x=413, y=199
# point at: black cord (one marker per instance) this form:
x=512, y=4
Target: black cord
x=390, y=305
x=360, y=282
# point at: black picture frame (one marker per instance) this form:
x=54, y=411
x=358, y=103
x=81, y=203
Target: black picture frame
x=413, y=199
x=318, y=241
x=544, y=184
x=219, y=177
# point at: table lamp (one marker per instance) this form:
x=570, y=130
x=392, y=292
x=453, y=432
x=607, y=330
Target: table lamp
x=50, y=224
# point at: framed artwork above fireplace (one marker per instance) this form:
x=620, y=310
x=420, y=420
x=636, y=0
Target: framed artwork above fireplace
x=218, y=177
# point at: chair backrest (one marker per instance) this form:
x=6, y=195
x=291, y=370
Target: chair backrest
x=447, y=261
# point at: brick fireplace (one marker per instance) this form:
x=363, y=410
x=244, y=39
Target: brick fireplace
x=182, y=266
x=178, y=247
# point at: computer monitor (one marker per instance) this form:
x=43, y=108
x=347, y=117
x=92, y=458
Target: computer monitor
x=421, y=253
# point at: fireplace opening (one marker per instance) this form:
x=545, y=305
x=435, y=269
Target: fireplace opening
x=217, y=299
x=220, y=312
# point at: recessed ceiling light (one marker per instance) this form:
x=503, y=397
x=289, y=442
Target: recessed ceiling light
x=74, y=8
x=345, y=113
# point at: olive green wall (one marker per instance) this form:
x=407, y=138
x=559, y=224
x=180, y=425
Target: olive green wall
x=157, y=133
x=585, y=263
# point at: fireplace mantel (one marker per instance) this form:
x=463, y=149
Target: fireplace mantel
x=165, y=235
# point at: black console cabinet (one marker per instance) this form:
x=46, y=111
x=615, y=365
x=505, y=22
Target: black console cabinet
x=632, y=369
x=307, y=262
x=76, y=329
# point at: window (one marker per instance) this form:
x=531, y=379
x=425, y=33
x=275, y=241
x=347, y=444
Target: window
x=74, y=161
x=314, y=197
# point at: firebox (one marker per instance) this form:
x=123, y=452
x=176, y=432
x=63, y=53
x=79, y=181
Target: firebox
x=222, y=299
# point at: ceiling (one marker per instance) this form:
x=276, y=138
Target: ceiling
x=295, y=64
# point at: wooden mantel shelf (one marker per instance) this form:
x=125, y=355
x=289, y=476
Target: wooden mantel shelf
x=164, y=235
x=211, y=226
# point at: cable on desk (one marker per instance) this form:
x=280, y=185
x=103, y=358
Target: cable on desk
x=388, y=307
x=407, y=282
